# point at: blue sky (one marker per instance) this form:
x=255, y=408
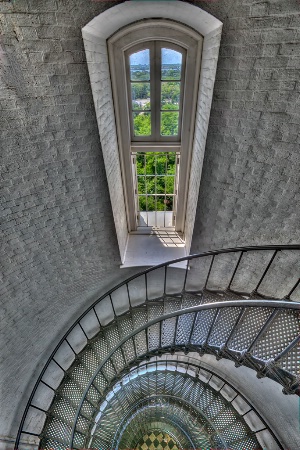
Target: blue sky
x=168, y=57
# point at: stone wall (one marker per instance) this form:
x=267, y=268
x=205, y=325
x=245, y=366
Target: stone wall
x=59, y=246
x=249, y=191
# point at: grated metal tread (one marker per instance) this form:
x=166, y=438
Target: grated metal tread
x=244, y=334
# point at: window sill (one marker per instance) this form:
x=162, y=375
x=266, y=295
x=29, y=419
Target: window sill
x=155, y=247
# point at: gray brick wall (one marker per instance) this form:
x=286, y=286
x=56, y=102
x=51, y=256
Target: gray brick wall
x=58, y=242
x=210, y=52
x=98, y=66
x=249, y=191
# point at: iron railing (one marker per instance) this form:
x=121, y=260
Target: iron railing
x=195, y=344
x=181, y=303
x=191, y=365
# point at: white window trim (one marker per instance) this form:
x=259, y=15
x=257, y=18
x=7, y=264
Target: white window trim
x=147, y=35
x=168, y=32
x=95, y=35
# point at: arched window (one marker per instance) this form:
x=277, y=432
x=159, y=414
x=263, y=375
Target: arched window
x=155, y=81
x=155, y=68
x=155, y=84
x=156, y=170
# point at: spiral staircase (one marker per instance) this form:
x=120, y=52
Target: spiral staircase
x=128, y=373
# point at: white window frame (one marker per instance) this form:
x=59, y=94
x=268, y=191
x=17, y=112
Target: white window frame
x=119, y=46
x=154, y=88
x=95, y=35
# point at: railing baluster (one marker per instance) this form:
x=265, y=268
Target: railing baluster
x=113, y=364
x=129, y=299
x=232, y=400
x=235, y=326
x=175, y=331
x=160, y=334
x=29, y=433
x=263, y=329
x=96, y=389
x=48, y=385
x=287, y=349
x=71, y=347
x=146, y=287
x=39, y=409
x=212, y=325
x=54, y=360
x=112, y=305
x=235, y=270
x=83, y=331
x=265, y=271
x=94, y=309
x=192, y=328
x=210, y=267
x=134, y=347
x=292, y=290
x=185, y=275
x=123, y=354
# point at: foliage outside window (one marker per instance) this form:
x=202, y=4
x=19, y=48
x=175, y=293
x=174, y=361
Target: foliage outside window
x=154, y=73
x=155, y=100
x=156, y=188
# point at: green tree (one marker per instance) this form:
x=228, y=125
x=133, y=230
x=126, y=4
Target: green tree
x=156, y=175
x=140, y=90
x=142, y=124
x=169, y=123
x=170, y=94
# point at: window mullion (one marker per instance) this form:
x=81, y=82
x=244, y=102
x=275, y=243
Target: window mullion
x=155, y=184
x=182, y=93
x=152, y=90
x=129, y=96
x=157, y=88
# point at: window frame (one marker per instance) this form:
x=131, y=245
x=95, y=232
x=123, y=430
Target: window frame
x=155, y=47
x=121, y=44
x=161, y=194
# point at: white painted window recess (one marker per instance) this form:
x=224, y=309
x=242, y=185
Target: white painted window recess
x=152, y=82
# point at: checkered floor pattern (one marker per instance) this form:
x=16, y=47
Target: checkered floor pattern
x=157, y=440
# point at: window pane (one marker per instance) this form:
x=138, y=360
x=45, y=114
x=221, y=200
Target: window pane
x=161, y=163
x=160, y=184
x=142, y=123
x=150, y=163
x=141, y=185
x=171, y=163
x=160, y=203
x=170, y=95
x=140, y=163
x=169, y=203
x=140, y=65
x=150, y=183
x=142, y=203
x=140, y=95
x=155, y=188
x=169, y=123
x=150, y=203
x=169, y=184
x=171, y=64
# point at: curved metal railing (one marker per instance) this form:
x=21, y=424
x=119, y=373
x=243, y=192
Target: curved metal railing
x=158, y=283
x=193, y=369
x=194, y=344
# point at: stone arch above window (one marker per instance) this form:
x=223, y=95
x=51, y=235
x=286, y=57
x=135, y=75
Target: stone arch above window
x=96, y=35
